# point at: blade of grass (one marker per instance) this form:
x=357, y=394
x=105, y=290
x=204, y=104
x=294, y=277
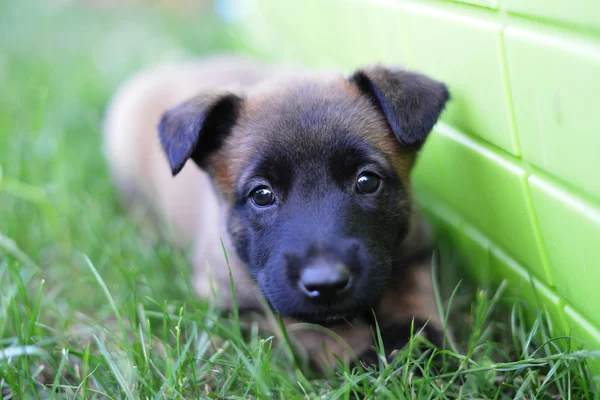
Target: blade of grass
x=236, y=313
x=113, y=367
x=440, y=304
x=109, y=297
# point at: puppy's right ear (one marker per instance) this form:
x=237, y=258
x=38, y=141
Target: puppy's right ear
x=197, y=128
x=411, y=102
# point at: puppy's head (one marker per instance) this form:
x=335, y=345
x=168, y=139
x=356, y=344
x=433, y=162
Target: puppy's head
x=314, y=176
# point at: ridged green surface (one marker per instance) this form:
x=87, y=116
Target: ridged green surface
x=512, y=173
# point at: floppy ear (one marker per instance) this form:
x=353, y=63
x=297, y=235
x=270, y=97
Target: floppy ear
x=197, y=128
x=411, y=102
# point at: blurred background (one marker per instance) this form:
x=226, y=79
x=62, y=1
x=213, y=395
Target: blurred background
x=60, y=61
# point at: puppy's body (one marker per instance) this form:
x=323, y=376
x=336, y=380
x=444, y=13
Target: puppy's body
x=278, y=121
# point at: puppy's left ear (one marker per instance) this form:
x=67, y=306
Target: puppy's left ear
x=411, y=102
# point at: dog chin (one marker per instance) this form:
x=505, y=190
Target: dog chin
x=327, y=319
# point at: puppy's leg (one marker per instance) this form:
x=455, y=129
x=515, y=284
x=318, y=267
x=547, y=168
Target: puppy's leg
x=408, y=308
x=325, y=345
x=397, y=335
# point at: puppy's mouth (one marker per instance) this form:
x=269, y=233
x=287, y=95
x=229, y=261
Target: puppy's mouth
x=326, y=320
x=322, y=316
x=334, y=315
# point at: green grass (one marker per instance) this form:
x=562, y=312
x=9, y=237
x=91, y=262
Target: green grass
x=93, y=306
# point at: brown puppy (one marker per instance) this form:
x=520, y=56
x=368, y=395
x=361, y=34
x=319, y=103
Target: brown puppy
x=304, y=176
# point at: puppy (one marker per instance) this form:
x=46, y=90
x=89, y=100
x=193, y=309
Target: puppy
x=304, y=176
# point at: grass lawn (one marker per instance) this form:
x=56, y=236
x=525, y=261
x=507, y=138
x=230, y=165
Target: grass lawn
x=94, y=306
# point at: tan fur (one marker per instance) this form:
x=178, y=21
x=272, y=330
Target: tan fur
x=195, y=213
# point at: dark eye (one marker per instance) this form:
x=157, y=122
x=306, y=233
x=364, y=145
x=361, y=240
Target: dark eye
x=367, y=182
x=262, y=196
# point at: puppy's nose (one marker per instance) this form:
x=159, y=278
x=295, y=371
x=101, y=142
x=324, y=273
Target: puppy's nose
x=325, y=280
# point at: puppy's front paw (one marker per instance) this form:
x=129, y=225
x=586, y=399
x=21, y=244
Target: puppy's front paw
x=396, y=336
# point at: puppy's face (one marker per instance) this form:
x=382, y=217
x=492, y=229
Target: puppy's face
x=315, y=178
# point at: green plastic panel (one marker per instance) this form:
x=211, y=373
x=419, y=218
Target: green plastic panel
x=440, y=43
x=357, y=48
x=578, y=13
x=490, y=264
x=571, y=230
x=500, y=207
x=482, y=3
x=526, y=287
x=511, y=172
x=556, y=83
x=344, y=47
x=472, y=242
x=587, y=334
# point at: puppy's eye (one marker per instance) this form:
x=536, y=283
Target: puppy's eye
x=262, y=196
x=367, y=182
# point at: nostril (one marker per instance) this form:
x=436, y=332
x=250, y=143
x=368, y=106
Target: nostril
x=320, y=281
